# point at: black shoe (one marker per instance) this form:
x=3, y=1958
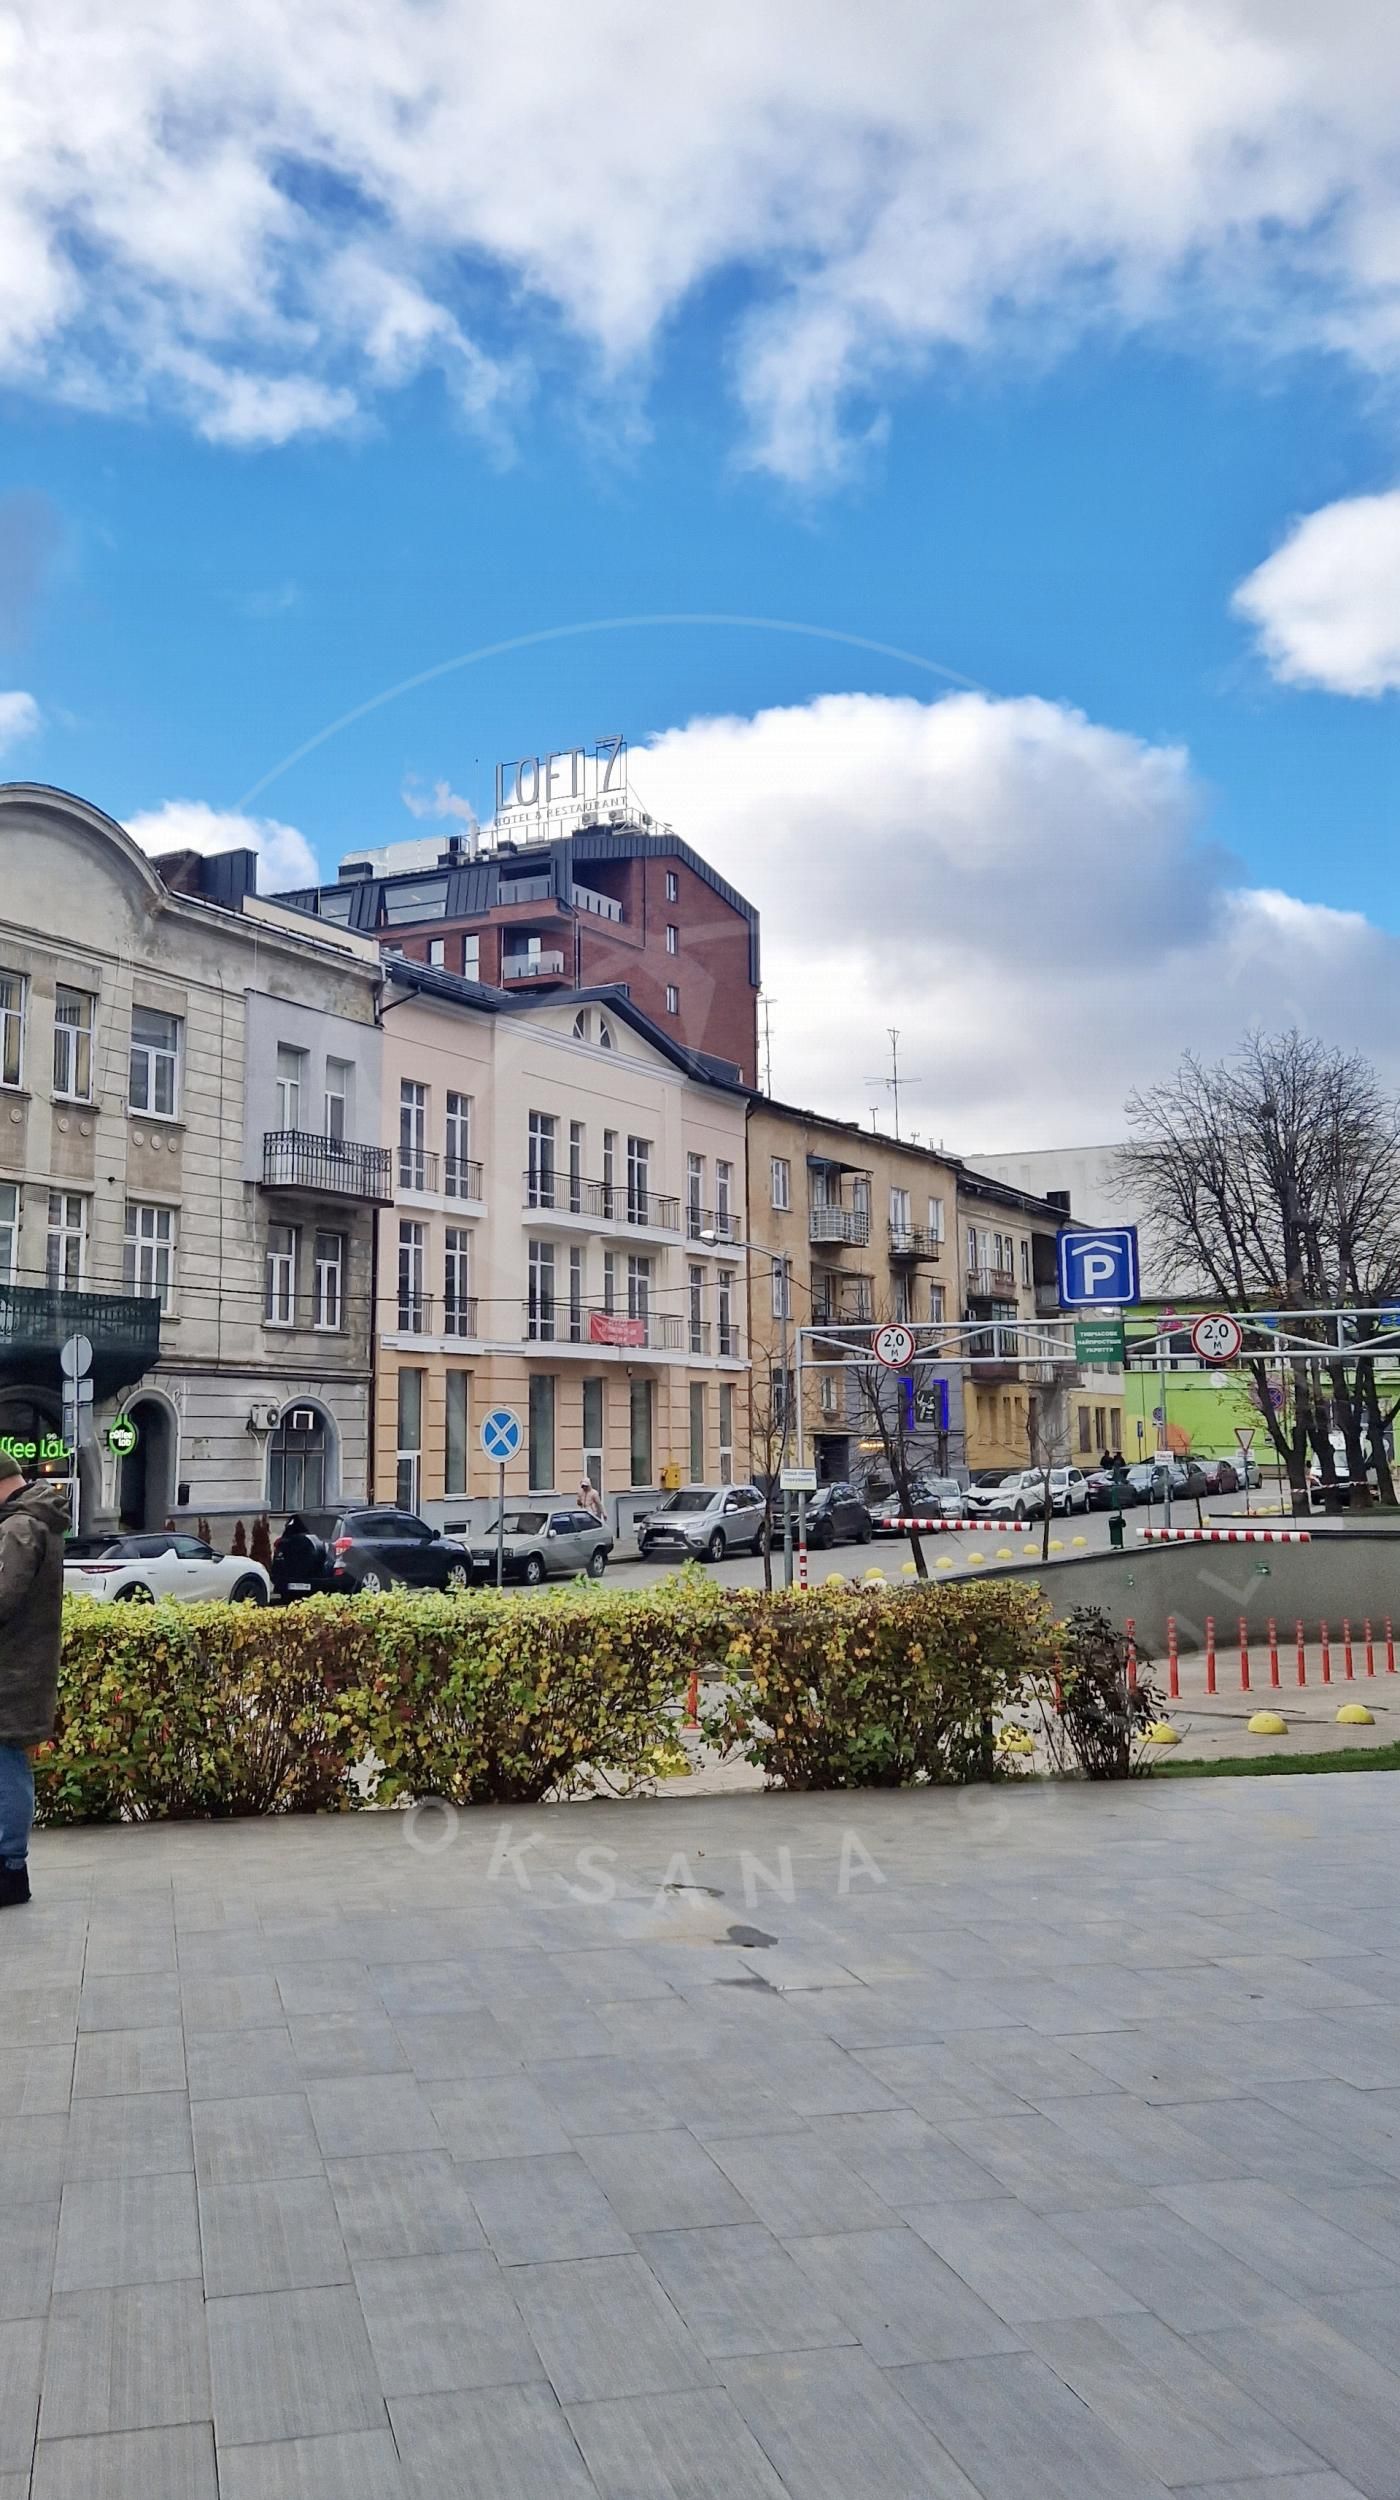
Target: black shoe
x=14, y=1887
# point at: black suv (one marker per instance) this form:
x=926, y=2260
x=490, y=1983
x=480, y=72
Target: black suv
x=346, y=1552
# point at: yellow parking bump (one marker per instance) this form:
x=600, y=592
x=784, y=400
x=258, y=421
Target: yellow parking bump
x=977, y=1558
x=1162, y=1732
x=1003, y=1553
x=1057, y=1545
x=945, y=1562
x=1268, y=1723
x=1079, y=1540
x=1355, y=1714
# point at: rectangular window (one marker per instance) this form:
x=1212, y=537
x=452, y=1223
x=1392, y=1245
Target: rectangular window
x=457, y=1140
x=936, y=1302
x=673, y=999
x=780, y=1183
x=782, y=1300
x=65, y=1258
x=540, y=1170
x=154, y=1083
x=148, y=1252
x=575, y=1293
x=471, y=957
x=9, y=1231
x=1085, y=1434
x=437, y=951
x=408, y=1478
x=971, y=1249
x=594, y=1410
x=860, y=1195
x=724, y=1200
x=899, y=1211
x=72, y=1043
x=935, y=1219
x=339, y=1106
x=609, y=1171
x=697, y=1432
x=1025, y=1258
x=458, y=1387
x=673, y=886
x=694, y=1196
x=903, y=1307
x=458, y=1312
x=696, y=1284
x=12, y=990
x=610, y=1280
x=673, y=939
x=639, y=1436
x=639, y=1289
x=328, y=1282
x=291, y=1077
x=413, y=1135
x=539, y=1310
x=541, y=1432
x=413, y=1308
x=638, y=1180
x=726, y=1432
x=280, y=1300
x=728, y=1329
x=576, y=1175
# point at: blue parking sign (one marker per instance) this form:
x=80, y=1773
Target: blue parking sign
x=1098, y=1267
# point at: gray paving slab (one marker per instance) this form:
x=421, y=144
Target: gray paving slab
x=603, y=2327
x=904, y=2159
x=240, y=2065
x=693, y=2446
x=439, y=2325
x=1172, y=2410
x=797, y=2185
x=1323, y=2486
x=291, y=2365
x=503, y=2443
x=1340, y=2402
x=1020, y=2433
x=27, y=2250
x=1368, y=2214
x=1018, y=2263
x=940, y=2083
x=175, y=2464
x=264, y=2135
x=133, y=2359
x=439, y=2048
x=115, y=2062
x=40, y=2016
x=359, y=2114
x=238, y=2001
x=1280, y=2237
x=127, y=2230
x=415, y=1990
x=662, y=2181
x=270, y=2235
x=835, y=2427
x=543, y=2206
x=602, y=2095
x=322, y=1987
x=1260, y=2140
x=1174, y=2269
x=738, y=2291
x=149, y=2004
x=344, y=2465
x=335, y=2045
x=35, y=2082
x=129, y=2135
x=716, y=2096
x=403, y=2205
x=491, y=2117
x=21, y=2378
x=900, y=2300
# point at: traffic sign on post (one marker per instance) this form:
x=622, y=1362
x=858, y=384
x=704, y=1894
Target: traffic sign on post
x=1244, y=1434
x=1099, y=1268
x=893, y=1345
x=797, y=1479
x=75, y=1357
x=501, y=1435
x=1216, y=1337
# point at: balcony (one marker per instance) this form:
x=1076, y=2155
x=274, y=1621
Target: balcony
x=546, y=966
x=700, y=1334
x=36, y=1321
x=729, y=1340
x=1047, y=1301
x=913, y=1241
x=1049, y=1371
x=461, y=1177
x=602, y=906
x=718, y=1220
x=413, y=1314
x=991, y=1284
x=592, y=1330
x=326, y=1167
x=552, y=1192
x=839, y=1224
x=525, y=890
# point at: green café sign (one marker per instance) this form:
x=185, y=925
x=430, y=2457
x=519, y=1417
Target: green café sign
x=49, y=1447
x=122, y=1436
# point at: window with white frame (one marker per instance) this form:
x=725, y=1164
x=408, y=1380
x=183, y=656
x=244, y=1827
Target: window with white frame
x=673, y=999
x=903, y=1308
x=935, y=1219
x=458, y=1390
x=148, y=1251
x=471, y=957
x=1025, y=1258
x=936, y=1302
x=695, y=1277
x=9, y=1231
x=726, y=1432
x=609, y=1171
x=780, y=1182
x=724, y=1307
x=280, y=1299
x=409, y=1472
x=724, y=1200
x=609, y=1281
x=13, y=987
x=539, y=1310
x=972, y=1260
x=605, y=1034
x=543, y=1132
x=298, y=1461
x=72, y=1043
x=328, y=1281
x=576, y=1293
x=413, y=1308
x=576, y=1173
x=339, y=1104
x=639, y=1273
x=457, y=1140
x=291, y=1080
x=437, y=951
x=694, y=1196
x=673, y=886
x=673, y=939
x=153, y=1086
x=638, y=1180
x=899, y=1211
x=65, y=1254
x=413, y=1135
x=457, y=1311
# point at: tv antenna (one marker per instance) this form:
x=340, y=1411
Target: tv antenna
x=894, y=1083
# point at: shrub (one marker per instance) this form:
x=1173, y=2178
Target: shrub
x=1093, y=1716
x=261, y=1547
x=858, y=1686
x=203, y=1531
x=239, y=1543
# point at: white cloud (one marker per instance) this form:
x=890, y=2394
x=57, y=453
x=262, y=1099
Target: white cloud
x=285, y=857
x=262, y=230
x=20, y=717
x=441, y=801
x=1026, y=894
x=1326, y=605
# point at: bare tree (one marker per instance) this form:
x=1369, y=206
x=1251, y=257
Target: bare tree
x=1273, y=1182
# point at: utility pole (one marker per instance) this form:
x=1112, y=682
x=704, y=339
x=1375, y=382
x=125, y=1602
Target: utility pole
x=894, y=1083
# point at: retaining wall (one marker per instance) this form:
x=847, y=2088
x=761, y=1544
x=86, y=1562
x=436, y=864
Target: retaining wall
x=1353, y=1573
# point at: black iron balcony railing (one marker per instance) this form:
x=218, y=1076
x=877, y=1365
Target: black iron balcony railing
x=414, y=1314
x=461, y=1177
x=562, y=1322
x=37, y=1320
x=721, y=1221
x=329, y=1167
x=550, y=1190
x=912, y=1241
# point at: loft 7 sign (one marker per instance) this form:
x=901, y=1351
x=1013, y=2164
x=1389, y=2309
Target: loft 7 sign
x=1099, y=1267
x=568, y=782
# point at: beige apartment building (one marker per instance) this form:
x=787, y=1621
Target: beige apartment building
x=567, y=1182
x=874, y=1228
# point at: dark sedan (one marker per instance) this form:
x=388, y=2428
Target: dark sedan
x=362, y=1552
x=836, y=1515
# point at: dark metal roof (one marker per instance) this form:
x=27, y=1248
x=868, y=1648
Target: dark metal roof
x=454, y=990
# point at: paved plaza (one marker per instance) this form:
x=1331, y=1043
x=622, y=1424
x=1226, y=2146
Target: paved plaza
x=1027, y=2146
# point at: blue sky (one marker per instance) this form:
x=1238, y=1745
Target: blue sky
x=1043, y=448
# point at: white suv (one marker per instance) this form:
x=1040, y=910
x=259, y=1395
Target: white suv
x=713, y=1520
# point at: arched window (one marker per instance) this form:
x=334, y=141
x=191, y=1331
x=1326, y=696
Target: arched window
x=299, y=1460
x=605, y=1039
x=583, y=1025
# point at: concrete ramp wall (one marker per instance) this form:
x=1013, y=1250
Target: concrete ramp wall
x=1341, y=1573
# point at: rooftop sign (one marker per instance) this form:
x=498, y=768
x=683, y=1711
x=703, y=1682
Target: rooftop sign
x=575, y=783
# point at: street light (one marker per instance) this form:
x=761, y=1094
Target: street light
x=713, y=1239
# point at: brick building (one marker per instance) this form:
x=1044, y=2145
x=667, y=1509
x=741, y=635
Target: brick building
x=600, y=907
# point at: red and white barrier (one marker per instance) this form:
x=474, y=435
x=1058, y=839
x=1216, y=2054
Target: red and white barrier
x=926, y=1527
x=1226, y=1536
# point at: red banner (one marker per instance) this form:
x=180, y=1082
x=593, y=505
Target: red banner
x=608, y=1328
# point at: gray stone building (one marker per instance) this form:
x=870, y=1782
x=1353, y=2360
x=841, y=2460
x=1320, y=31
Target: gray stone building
x=189, y=1165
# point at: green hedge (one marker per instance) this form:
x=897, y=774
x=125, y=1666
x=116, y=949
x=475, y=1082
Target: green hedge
x=177, y=1710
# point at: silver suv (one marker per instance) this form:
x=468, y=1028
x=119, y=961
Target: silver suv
x=713, y=1520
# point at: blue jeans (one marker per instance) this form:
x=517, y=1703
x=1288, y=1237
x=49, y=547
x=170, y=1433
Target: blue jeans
x=16, y=1806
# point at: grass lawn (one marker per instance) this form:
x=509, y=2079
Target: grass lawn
x=1272, y=1765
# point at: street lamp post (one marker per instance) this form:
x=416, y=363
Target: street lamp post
x=782, y=1265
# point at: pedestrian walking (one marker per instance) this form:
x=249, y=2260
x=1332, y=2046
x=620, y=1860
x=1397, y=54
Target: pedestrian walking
x=34, y=1520
x=589, y=1498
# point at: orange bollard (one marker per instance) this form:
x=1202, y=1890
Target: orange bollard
x=1347, y=1667
x=1173, y=1676
x=1389, y=1648
x=1302, y=1654
x=1244, y=1656
x=1326, y=1658
x=1370, y=1649
x=692, y=1703
x=1273, y=1653
x=1210, y=1653
x=1130, y=1634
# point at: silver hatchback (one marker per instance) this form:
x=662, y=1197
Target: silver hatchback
x=538, y=1543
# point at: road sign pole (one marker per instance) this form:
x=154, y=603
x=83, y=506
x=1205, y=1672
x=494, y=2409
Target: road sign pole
x=501, y=1525
x=1166, y=1436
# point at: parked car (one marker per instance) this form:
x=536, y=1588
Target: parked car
x=1101, y=1481
x=1017, y=1495
x=934, y=1497
x=1218, y=1474
x=362, y=1552
x=537, y=1543
x=140, y=1569
x=836, y=1515
x=1069, y=1490
x=709, y=1519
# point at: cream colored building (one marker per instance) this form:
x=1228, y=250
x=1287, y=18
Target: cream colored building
x=557, y=1166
